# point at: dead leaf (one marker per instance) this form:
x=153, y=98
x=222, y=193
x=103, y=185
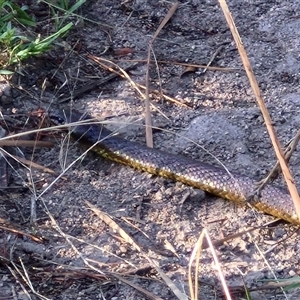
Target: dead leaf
x=123, y=52
x=189, y=69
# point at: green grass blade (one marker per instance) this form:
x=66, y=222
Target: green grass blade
x=6, y=72
x=76, y=6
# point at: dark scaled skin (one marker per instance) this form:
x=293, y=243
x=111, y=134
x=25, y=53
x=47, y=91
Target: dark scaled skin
x=215, y=180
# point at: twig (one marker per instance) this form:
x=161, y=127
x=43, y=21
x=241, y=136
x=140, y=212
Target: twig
x=212, y=58
x=138, y=288
x=217, y=265
x=222, y=69
x=8, y=226
x=275, y=170
x=195, y=256
x=89, y=87
x=148, y=123
x=21, y=143
x=3, y=163
x=100, y=60
x=112, y=224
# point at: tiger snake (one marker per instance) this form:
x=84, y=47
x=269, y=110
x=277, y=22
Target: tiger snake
x=216, y=180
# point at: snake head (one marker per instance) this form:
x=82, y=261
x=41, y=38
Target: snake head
x=66, y=116
x=82, y=126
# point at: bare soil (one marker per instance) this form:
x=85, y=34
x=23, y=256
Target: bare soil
x=218, y=112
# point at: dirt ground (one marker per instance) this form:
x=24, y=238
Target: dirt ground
x=165, y=219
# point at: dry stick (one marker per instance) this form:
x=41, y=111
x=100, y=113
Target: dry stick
x=195, y=256
x=176, y=291
x=137, y=87
x=157, y=71
x=265, y=261
x=123, y=74
x=184, y=65
x=101, y=60
x=3, y=163
x=212, y=58
x=90, y=86
x=148, y=123
x=8, y=226
x=137, y=287
x=217, y=265
x=3, y=172
x=98, y=60
x=112, y=224
x=288, y=152
x=32, y=164
x=253, y=82
x=170, y=99
x=22, y=143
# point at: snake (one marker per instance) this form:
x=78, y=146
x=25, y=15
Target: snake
x=272, y=200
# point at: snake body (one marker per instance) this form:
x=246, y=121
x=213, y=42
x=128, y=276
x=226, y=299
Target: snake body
x=218, y=181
